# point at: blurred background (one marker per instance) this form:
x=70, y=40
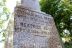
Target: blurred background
x=61, y=11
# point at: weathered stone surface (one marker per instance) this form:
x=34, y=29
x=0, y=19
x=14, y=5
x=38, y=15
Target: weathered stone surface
x=34, y=30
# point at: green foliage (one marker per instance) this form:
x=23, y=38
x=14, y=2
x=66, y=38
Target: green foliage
x=61, y=10
x=68, y=45
x=4, y=16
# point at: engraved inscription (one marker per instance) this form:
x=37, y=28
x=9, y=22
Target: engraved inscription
x=32, y=29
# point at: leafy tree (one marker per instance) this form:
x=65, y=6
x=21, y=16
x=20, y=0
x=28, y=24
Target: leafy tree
x=61, y=10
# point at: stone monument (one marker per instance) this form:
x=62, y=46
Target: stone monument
x=33, y=28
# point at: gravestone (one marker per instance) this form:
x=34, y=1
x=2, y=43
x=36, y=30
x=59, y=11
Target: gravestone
x=33, y=28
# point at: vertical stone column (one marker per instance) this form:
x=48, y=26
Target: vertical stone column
x=31, y=4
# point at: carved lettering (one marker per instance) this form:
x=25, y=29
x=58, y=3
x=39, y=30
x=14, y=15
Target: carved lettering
x=30, y=25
